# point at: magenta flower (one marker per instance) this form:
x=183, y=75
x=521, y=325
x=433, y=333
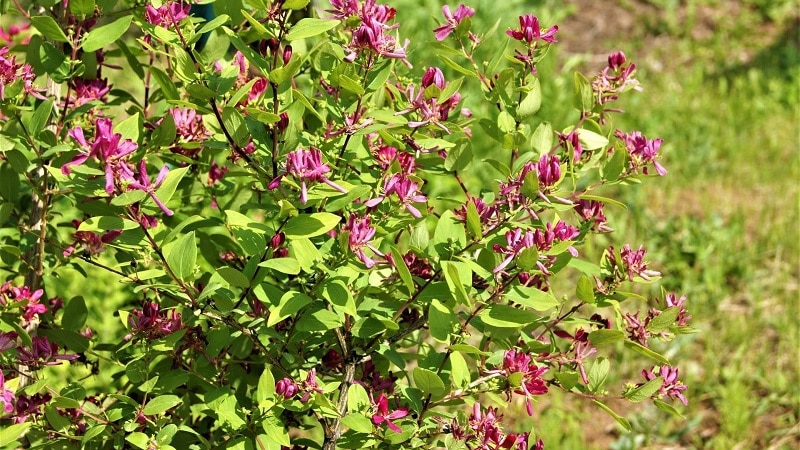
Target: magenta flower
x=188, y=124
x=309, y=386
x=108, y=149
x=306, y=165
x=683, y=318
x=488, y=215
x=430, y=109
x=382, y=415
x=433, y=76
x=7, y=340
x=168, y=14
x=671, y=386
x=42, y=353
x=91, y=242
x=532, y=382
x=7, y=37
x=406, y=191
x=634, y=264
x=642, y=151
x=142, y=183
x=614, y=79
x=591, y=211
x=85, y=91
x=344, y=9
x=286, y=388
x=360, y=233
x=452, y=20
x=530, y=31
x=152, y=323
x=11, y=72
x=487, y=433
x=519, y=240
x=6, y=395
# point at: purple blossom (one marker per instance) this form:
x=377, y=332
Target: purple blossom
x=382, y=415
x=642, y=151
x=634, y=264
x=108, y=148
x=592, y=211
x=344, y=9
x=542, y=240
x=168, y=14
x=360, y=233
x=452, y=20
x=286, y=388
x=406, y=191
x=91, y=242
x=153, y=323
x=530, y=31
x=85, y=91
x=42, y=353
x=371, y=36
x=7, y=340
x=488, y=215
x=386, y=155
x=487, y=433
x=11, y=72
x=672, y=301
x=309, y=386
x=142, y=183
x=532, y=382
x=433, y=76
x=614, y=79
x=188, y=124
x=671, y=386
x=306, y=165
x=6, y=395
x=430, y=109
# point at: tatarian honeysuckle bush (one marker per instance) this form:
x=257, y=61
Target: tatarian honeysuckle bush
x=278, y=193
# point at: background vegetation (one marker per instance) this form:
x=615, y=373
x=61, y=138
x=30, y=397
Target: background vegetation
x=722, y=88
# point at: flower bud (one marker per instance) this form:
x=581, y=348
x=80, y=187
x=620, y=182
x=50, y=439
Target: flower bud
x=287, y=54
x=616, y=60
x=433, y=76
x=277, y=240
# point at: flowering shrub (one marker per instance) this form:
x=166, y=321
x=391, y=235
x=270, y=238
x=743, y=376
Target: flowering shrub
x=263, y=187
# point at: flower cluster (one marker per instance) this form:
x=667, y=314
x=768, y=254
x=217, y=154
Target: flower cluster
x=671, y=386
x=615, y=78
x=371, y=36
x=529, y=382
x=11, y=72
x=168, y=14
x=152, y=323
x=519, y=240
x=382, y=415
x=452, y=20
x=642, y=151
x=359, y=233
x=42, y=352
x=306, y=165
x=426, y=103
x=31, y=305
x=484, y=431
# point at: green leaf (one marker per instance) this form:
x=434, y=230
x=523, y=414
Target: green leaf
x=428, y=382
x=585, y=289
x=304, y=251
x=10, y=433
x=532, y=298
x=308, y=27
x=92, y=432
x=440, y=320
x=459, y=370
x=106, y=34
x=620, y=420
x=81, y=7
x=319, y=320
x=233, y=277
x=419, y=237
x=138, y=439
x=357, y=398
x=75, y=314
x=39, y=118
x=161, y=404
x=358, y=423
x=167, y=189
x=567, y=379
x=266, y=386
x=591, y=140
x=105, y=223
x=454, y=283
x=583, y=95
x=598, y=374
x=234, y=123
x=49, y=28
x=275, y=429
x=532, y=102
x=666, y=407
x=290, y=303
x=542, y=140
x=603, y=337
x=295, y=4
x=339, y=296
x=9, y=183
x=642, y=350
x=645, y=391
x=402, y=270
x=504, y=316
x=664, y=320
x=283, y=265
x=310, y=225
x=613, y=169
x=182, y=256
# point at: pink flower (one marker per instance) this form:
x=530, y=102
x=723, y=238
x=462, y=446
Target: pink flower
x=142, y=183
x=530, y=31
x=6, y=395
x=360, y=233
x=614, y=79
x=11, y=72
x=108, y=148
x=286, y=388
x=406, y=191
x=85, y=91
x=344, y=9
x=42, y=353
x=168, y=14
x=642, y=151
x=591, y=211
x=452, y=20
x=91, y=242
x=532, y=382
x=382, y=414
x=671, y=301
x=152, y=323
x=671, y=386
x=188, y=124
x=306, y=165
x=309, y=386
x=488, y=215
x=634, y=264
